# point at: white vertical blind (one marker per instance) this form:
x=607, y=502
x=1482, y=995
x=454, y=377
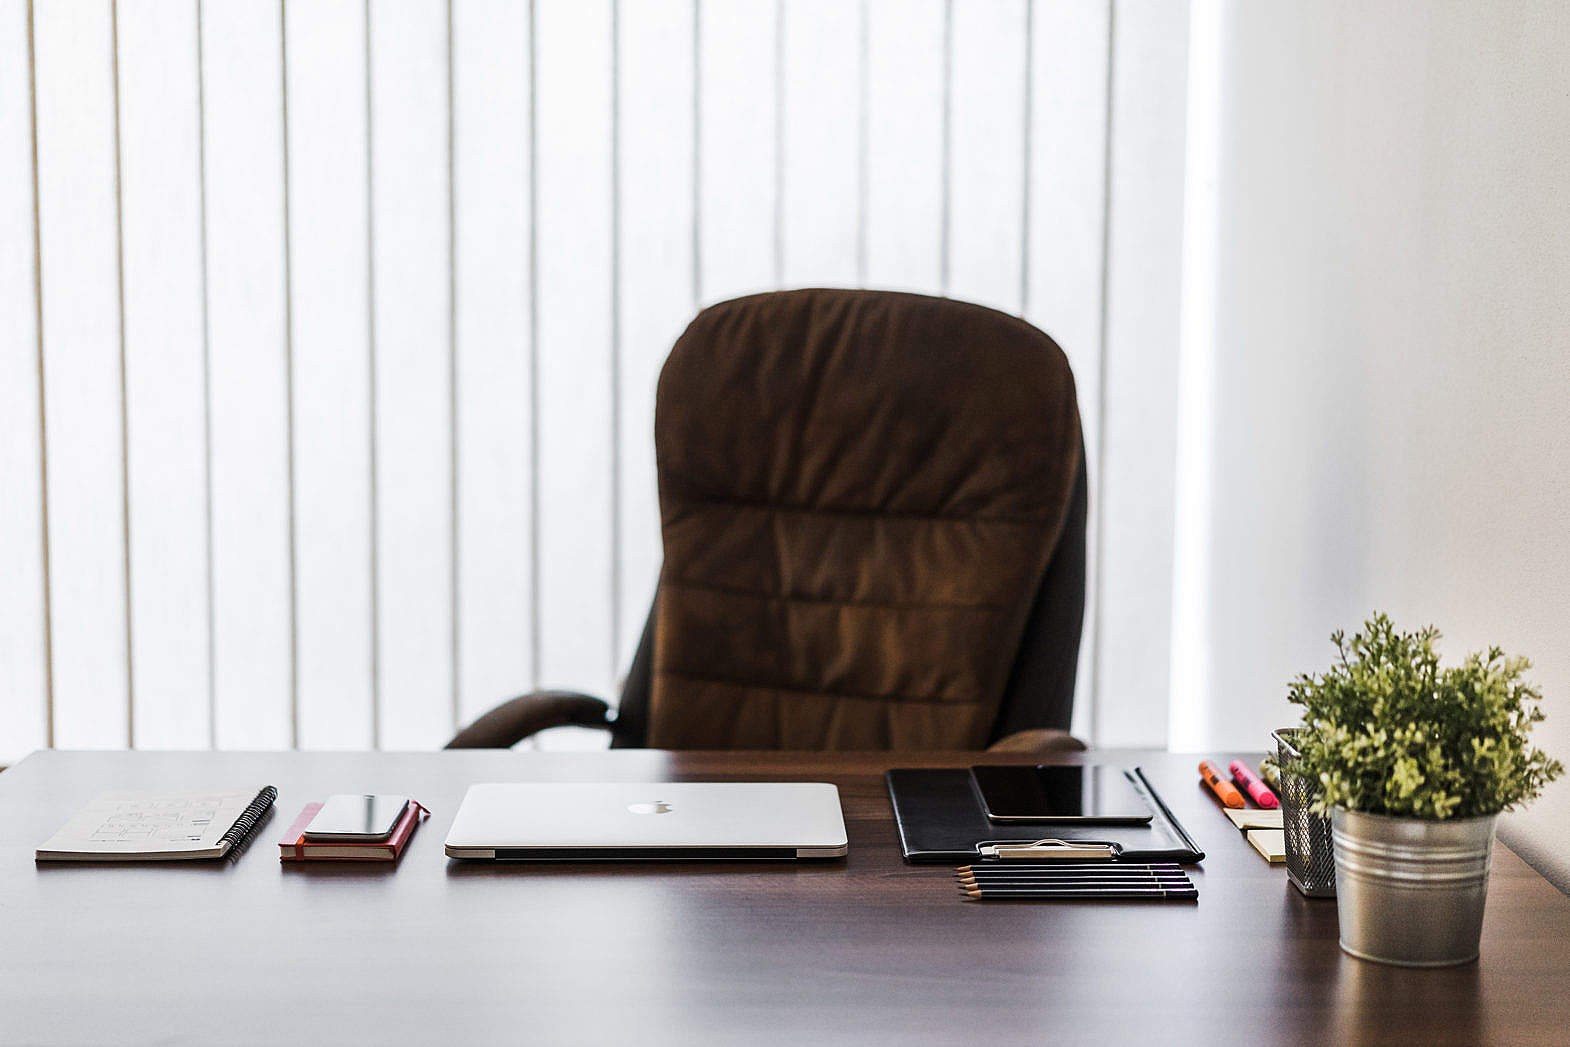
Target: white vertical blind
x=412, y=316
x=492, y=349
x=165, y=372
x=819, y=142
x=738, y=133
x=987, y=142
x=398, y=279
x=576, y=356
x=907, y=154
x=1067, y=221
x=332, y=357
x=24, y=645
x=656, y=279
x=84, y=389
x=248, y=344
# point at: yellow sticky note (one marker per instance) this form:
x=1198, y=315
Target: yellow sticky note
x=1270, y=843
x=1254, y=818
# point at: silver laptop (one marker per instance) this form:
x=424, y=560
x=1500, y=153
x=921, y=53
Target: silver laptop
x=630, y=821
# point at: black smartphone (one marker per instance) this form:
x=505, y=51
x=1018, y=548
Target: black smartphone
x=349, y=819
x=1097, y=794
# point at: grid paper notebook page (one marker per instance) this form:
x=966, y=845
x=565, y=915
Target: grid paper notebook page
x=125, y=825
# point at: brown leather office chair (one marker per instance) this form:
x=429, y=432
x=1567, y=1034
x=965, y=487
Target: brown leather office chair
x=873, y=508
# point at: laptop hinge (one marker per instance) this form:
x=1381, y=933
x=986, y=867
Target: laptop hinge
x=624, y=854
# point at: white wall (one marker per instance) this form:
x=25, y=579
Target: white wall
x=1391, y=368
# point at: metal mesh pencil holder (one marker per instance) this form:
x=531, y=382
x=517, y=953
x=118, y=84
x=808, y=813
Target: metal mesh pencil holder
x=1311, y=864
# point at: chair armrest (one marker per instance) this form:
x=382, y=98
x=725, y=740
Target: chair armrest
x=1038, y=740
x=517, y=718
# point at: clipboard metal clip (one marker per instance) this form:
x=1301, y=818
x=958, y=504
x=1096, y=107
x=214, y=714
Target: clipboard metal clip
x=1049, y=849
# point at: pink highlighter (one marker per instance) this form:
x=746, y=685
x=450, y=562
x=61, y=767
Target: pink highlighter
x=1256, y=789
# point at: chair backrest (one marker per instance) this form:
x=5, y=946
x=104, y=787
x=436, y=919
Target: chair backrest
x=872, y=507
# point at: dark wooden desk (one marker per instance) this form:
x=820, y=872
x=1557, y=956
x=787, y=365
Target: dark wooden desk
x=865, y=951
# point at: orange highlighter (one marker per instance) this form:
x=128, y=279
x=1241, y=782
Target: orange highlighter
x=1225, y=791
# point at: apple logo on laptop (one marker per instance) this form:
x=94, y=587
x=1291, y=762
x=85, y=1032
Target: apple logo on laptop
x=657, y=807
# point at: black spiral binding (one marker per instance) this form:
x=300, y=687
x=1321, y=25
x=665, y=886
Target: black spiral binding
x=249, y=817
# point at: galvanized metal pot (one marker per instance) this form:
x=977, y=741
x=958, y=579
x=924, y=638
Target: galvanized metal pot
x=1411, y=891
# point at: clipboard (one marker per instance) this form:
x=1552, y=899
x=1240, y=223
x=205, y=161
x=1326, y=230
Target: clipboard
x=940, y=821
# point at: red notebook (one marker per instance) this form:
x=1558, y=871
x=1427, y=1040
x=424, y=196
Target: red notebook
x=294, y=847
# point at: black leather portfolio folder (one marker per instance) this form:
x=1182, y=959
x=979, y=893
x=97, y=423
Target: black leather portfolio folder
x=940, y=819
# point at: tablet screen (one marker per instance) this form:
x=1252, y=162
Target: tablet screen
x=1059, y=794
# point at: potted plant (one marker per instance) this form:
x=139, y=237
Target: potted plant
x=1416, y=761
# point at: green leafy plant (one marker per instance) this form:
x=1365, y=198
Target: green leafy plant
x=1390, y=731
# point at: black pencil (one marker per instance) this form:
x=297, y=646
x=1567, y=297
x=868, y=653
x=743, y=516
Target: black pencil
x=1052, y=885
x=1134, y=871
x=1086, y=891
x=1070, y=887
x=1146, y=866
x=1071, y=894
x=1045, y=874
x=1049, y=873
x=1055, y=877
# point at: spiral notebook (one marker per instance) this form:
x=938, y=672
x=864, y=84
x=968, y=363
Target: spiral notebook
x=128, y=827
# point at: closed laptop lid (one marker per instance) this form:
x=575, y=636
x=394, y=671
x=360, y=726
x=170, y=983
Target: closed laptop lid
x=577, y=821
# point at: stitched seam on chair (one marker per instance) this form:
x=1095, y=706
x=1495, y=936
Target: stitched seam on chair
x=885, y=699
x=800, y=598
x=693, y=494
x=1029, y=331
